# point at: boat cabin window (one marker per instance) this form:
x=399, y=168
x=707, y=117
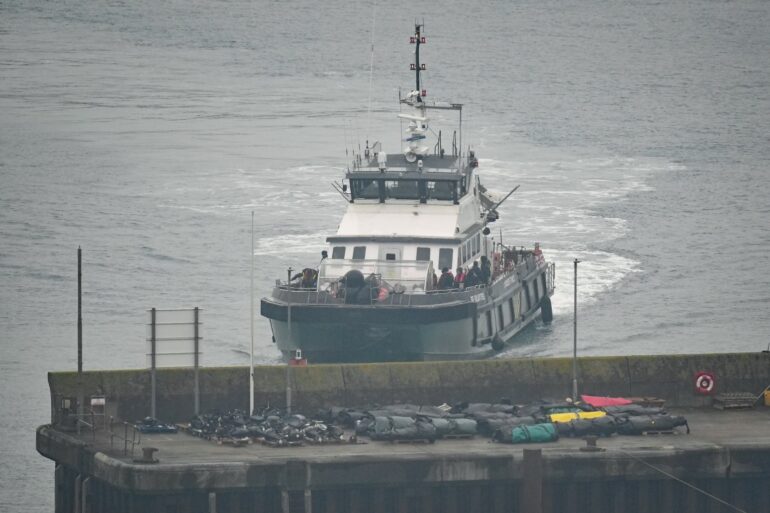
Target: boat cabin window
x=423, y=254
x=423, y=190
x=366, y=189
x=338, y=252
x=390, y=256
x=445, y=258
x=402, y=189
x=470, y=248
x=441, y=190
x=359, y=252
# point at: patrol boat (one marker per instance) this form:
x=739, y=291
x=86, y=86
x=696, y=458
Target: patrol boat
x=410, y=214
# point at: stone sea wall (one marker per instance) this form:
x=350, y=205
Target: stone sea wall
x=669, y=377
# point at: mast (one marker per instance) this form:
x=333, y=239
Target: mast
x=418, y=121
x=417, y=40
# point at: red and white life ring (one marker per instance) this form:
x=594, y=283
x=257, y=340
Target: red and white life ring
x=705, y=383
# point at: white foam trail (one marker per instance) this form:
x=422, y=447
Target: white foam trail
x=598, y=272
x=558, y=205
x=290, y=245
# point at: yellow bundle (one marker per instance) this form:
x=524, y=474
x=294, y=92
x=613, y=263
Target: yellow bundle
x=566, y=417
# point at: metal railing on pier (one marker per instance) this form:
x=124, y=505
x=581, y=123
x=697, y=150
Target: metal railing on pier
x=131, y=436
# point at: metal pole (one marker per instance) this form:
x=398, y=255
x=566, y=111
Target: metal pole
x=152, y=363
x=574, y=345
x=251, y=353
x=288, y=389
x=81, y=397
x=197, y=364
x=288, y=367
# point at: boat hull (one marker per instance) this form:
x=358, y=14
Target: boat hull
x=327, y=342
x=471, y=324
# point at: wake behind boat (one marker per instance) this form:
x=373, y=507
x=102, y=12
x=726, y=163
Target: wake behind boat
x=411, y=216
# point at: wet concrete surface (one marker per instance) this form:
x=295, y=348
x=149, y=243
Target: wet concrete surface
x=708, y=428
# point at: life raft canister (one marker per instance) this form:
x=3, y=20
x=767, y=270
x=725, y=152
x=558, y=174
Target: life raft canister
x=705, y=383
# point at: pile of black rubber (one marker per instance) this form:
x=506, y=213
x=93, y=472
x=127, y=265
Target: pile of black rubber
x=414, y=422
x=498, y=420
x=269, y=425
x=402, y=422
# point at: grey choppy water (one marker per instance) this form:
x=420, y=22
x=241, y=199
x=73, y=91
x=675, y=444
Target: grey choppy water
x=148, y=132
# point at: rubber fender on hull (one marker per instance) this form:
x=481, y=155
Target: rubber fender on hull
x=546, y=312
x=497, y=343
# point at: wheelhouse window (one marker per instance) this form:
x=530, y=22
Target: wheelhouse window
x=402, y=189
x=476, y=245
x=338, y=252
x=423, y=254
x=359, y=252
x=390, y=256
x=441, y=190
x=365, y=189
x=445, y=258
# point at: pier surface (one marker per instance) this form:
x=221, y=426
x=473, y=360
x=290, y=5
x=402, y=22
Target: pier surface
x=723, y=446
x=724, y=461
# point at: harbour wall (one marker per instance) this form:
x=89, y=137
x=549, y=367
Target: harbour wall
x=127, y=393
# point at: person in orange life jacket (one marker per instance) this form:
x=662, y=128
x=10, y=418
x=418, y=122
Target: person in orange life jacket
x=446, y=281
x=459, y=278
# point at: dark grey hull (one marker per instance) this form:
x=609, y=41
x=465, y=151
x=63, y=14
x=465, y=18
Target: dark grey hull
x=470, y=324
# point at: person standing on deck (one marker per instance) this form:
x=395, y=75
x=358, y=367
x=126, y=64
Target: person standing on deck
x=473, y=277
x=446, y=281
x=459, y=278
x=486, y=270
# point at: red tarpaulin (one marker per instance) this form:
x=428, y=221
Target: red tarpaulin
x=599, y=402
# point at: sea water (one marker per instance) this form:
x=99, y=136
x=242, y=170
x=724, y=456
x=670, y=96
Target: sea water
x=147, y=133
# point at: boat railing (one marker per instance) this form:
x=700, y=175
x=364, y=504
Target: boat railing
x=373, y=296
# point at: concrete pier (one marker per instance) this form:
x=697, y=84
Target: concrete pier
x=727, y=454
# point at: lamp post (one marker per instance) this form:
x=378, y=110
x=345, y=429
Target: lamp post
x=251, y=318
x=574, y=342
x=81, y=397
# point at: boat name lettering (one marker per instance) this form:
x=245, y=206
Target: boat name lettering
x=477, y=298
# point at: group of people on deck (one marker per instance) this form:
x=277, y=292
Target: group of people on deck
x=476, y=275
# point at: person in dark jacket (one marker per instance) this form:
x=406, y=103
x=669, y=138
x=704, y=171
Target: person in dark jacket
x=309, y=278
x=473, y=277
x=486, y=270
x=447, y=279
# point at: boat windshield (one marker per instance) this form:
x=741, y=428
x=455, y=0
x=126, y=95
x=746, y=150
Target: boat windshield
x=406, y=189
x=398, y=276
